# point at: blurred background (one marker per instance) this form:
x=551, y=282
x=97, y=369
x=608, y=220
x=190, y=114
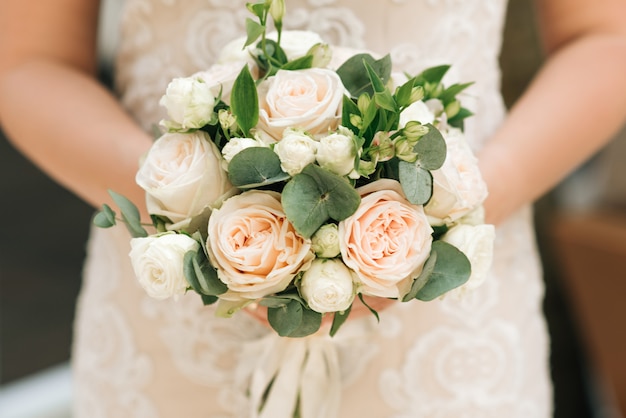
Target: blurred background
x=581, y=230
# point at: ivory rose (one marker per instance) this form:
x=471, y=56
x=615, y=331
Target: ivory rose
x=254, y=247
x=386, y=241
x=309, y=100
x=476, y=242
x=158, y=263
x=182, y=174
x=458, y=186
x=295, y=150
x=327, y=286
x=221, y=77
x=189, y=102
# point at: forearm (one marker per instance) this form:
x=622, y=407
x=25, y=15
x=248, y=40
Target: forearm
x=73, y=129
x=573, y=107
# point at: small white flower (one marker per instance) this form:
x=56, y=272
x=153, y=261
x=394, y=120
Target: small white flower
x=327, y=286
x=337, y=152
x=189, y=102
x=416, y=111
x=296, y=150
x=325, y=241
x=235, y=145
x=157, y=261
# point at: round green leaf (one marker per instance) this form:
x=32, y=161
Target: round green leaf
x=315, y=195
x=286, y=319
x=431, y=149
x=417, y=182
x=255, y=167
x=451, y=270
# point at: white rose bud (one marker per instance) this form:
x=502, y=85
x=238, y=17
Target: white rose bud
x=325, y=241
x=322, y=55
x=235, y=145
x=416, y=111
x=189, y=102
x=476, y=242
x=327, y=286
x=158, y=263
x=337, y=152
x=296, y=150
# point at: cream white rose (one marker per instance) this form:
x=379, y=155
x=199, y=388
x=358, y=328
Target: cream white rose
x=458, y=186
x=158, y=263
x=337, y=152
x=309, y=100
x=417, y=111
x=327, y=286
x=189, y=102
x=295, y=150
x=234, y=52
x=325, y=241
x=254, y=247
x=386, y=241
x=296, y=43
x=476, y=242
x=182, y=174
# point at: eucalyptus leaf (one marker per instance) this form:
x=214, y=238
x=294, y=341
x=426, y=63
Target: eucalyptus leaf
x=416, y=182
x=255, y=167
x=244, y=101
x=315, y=195
x=105, y=218
x=310, y=324
x=354, y=75
x=200, y=275
x=130, y=215
x=452, y=269
x=422, y=279
x=431, y=149
x=286, y=319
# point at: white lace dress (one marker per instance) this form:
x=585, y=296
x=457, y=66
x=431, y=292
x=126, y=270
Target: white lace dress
x=483, y=355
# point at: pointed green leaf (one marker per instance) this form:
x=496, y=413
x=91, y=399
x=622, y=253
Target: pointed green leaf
x=403, y=93
x=349, y=108
x=339, y=318
x=450, y=93
x=451, y=270
x=431, y=149
x=255, y=167
x=386, y=101
x=372, y=310
x=130, y=215
x=244, y=102
x=253, y=31
x=417, y=182
x=377, y=84
x=299, y=63
x=208, y=300
x=457, y=120
x=432, y=75
x=316, y=195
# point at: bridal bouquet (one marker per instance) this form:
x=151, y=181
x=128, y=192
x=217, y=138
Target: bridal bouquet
x=284, y=179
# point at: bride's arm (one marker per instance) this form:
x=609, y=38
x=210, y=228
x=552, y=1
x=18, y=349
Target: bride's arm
x=53, y=109
x=573, y=107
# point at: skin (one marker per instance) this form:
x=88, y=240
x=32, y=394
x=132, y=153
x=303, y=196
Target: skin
x=47, y=78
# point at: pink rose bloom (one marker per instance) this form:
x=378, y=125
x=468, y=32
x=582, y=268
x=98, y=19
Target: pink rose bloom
x=309, y=100
x=386, y=241
x=255, y=249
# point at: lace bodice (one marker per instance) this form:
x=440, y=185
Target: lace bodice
x=479, y=354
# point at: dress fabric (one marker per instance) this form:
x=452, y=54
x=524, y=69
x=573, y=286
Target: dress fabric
x=483, y=353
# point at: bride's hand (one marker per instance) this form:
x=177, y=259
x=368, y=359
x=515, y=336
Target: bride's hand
x=359, y=310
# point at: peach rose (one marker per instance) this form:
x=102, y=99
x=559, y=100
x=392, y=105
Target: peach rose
x=309, y=100
x=386, y=241
x=255, y=249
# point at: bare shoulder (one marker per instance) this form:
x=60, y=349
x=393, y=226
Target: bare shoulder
x=562, y=21
x=61, y=30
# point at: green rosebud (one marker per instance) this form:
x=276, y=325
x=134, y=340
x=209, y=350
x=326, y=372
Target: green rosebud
x=363, y=102
x=413, y=130
x=405, y=149
x=366, y=168
x=356, y=121
x=382, y=148
x=325, y=241
x=417, y=94
x=277, y=10
x=452, y=109
x=227, y=119
x=322, y=54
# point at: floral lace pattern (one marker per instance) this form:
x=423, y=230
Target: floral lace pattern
x=478, y=354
